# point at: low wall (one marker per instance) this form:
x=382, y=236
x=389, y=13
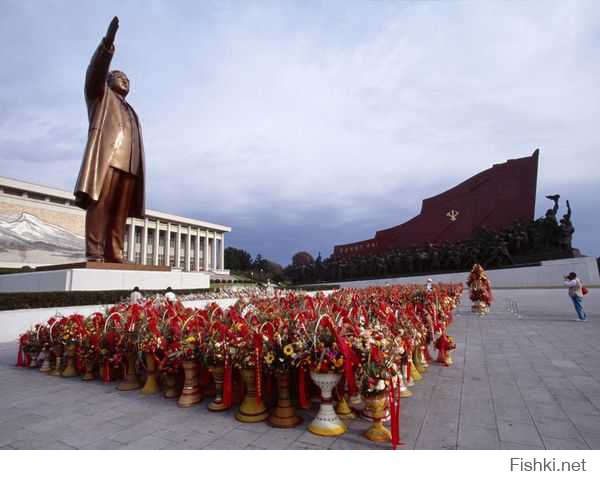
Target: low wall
x=549, y=274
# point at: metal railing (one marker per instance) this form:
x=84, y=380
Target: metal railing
x=512, y=306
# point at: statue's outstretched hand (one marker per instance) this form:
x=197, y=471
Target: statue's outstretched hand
x=111, y=33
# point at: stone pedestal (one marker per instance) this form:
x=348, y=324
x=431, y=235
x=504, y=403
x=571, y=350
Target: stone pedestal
x=91, y=276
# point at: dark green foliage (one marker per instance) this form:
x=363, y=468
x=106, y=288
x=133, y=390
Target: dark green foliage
x=238, y=259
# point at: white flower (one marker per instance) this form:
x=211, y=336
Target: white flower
x=380, y=385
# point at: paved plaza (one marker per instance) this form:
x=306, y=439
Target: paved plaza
x=528, y=382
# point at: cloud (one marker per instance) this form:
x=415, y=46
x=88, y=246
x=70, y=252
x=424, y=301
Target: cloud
x=304, y=125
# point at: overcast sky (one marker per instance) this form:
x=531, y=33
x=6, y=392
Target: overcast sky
x=306, y=124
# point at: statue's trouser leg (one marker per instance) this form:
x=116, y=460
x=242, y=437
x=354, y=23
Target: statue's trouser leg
x=123, y=188
x=96, y=220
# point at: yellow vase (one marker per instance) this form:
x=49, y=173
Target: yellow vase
x=414, y=372
x=251, y=410
x=418, y=360
x=343, y=410
x=89, y=369
x=376, y=405
x=130, y=382
x=151, y=387
x=58, y=354
x=70, y=370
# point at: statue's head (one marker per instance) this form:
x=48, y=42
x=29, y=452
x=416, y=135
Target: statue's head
x=118, y=82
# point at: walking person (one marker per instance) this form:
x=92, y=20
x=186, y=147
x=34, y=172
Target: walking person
x=576, y=292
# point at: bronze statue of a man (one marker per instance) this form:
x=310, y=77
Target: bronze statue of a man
x=111, y=180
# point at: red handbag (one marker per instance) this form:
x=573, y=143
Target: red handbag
x=584, y=290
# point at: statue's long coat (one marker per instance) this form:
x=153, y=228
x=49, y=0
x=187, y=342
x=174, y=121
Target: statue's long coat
x=105, y=135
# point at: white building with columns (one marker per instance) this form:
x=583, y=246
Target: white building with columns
x=183, y=243
x=41, y=225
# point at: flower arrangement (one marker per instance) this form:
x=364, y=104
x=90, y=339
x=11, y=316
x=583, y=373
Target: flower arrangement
x=480, y=286
x=325, y=353
x=72, y=330
x=111, y=347
x=55, y=328
x=380, y=355
x=28, y=347
x=89, y=347
x=218, y=335
x=149, y=336
x=286, y=346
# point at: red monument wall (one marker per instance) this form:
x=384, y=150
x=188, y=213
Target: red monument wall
x=494, y=198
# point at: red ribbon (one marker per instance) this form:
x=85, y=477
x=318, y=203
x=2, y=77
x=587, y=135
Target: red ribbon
x=20, y=362
x=106, y=372
x=204, y=376
x=303, y=397
x=395, y=414
x=228, y=384
x=258, y=374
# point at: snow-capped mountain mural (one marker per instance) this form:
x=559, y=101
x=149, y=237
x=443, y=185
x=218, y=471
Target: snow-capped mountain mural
x=27, y=231
x=26, y=238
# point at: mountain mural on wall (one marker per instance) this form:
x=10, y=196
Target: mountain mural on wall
x=26, y=238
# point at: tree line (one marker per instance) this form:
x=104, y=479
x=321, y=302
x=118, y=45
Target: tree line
x=259, y=268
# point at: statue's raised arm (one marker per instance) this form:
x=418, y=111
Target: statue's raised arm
x=97, y=71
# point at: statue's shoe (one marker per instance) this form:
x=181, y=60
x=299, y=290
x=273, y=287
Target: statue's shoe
x=114, y=260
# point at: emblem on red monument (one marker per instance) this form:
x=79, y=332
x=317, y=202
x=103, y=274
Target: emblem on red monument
x=452, y=215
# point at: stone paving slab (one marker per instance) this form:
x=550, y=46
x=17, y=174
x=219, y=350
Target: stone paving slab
x=518, y=382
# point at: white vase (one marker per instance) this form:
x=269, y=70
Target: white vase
x=326, y=423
